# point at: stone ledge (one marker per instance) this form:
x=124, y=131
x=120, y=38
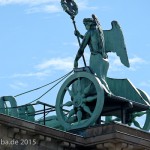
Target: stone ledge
x=36, y=129
x=108, y=136
x=119, y=132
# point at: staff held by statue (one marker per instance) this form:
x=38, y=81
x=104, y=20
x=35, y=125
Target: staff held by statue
x=71, y=8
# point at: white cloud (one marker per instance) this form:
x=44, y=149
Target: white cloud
x=145, y=84
x=84, y=5
x=116, y=65
x=48, y=6
x=136, y=63
x=136, y=60
x=105, y=8
x=45, y=69
x=65, y=64
x=44, y=8
x=18, y=85
x=32, y=74
x=71, y=43
x=27, y=2
x=35, y=74
x=35, y=6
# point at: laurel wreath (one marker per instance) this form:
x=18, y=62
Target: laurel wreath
x=70, y=7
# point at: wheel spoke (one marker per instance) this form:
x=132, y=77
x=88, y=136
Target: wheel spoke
x=139, y=114
x=87, y=109
x=79, y=115
x=72, y=119
x=71, y=113
x=87, y=89
x=90, y=98
x=136, y=124
x=70, y=92
x=79, y=85
x=68, y=104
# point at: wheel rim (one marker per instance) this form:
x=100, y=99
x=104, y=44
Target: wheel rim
x=136, y=115
x=146, y=125
x=84, y=106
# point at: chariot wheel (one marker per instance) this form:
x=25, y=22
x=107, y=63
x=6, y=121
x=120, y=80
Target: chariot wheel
x=80, y=101
x=144, y=114
x=145, y=124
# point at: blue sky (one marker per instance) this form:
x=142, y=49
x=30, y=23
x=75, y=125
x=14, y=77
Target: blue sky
x=37, y=44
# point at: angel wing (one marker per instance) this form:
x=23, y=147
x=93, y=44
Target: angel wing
x=114, y=42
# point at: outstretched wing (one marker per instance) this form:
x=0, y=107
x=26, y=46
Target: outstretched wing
x=114, y=42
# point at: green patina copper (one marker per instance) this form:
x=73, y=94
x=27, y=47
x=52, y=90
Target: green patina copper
x=31, y=112
x=2, y=106
x=70, y=7
x=27, y=112
x=6, y=104
x=146, y=125
x=100, y=43
x=124, y=88
x=51, y=121
x=22, y=112
x=84, y=108
x=88, y=94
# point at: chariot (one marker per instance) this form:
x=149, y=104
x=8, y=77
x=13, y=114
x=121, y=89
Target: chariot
x=84, y=99
x=88, y=101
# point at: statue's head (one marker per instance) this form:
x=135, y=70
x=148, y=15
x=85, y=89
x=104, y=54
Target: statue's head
x=89, y=22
